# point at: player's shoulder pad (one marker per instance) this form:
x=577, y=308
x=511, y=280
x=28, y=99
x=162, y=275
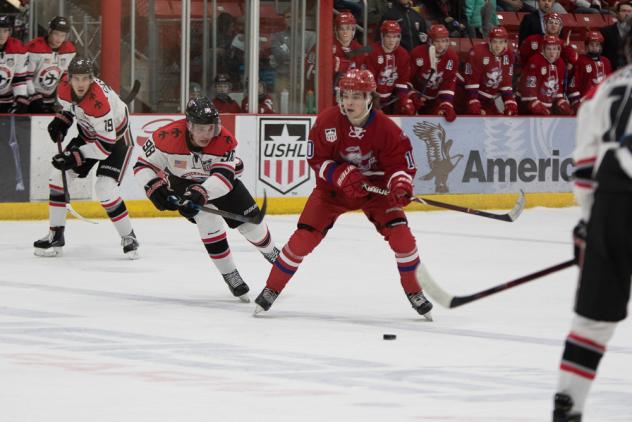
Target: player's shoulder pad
x=171, y=138
x=66, y=48
x=64, y=90
x=38, y=45
x=95, y=103
x=451, y=54
x=14, y=46
x=328, y=117
x=222, y=143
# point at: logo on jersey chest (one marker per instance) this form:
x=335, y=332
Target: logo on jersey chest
x=354, y=155
x=283, y=152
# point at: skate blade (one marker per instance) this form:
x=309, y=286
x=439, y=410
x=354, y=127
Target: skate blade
x=132, y=255
x=258, y=311
x=244, y=298
x=48, y=253
x=428, y=316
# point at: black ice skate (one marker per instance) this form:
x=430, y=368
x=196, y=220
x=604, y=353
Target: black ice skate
x=265, y=300
x=237, y=286
x=130, y=245
x=562, y=411
x=421, y=304
x=51, y=244
x=271, y=256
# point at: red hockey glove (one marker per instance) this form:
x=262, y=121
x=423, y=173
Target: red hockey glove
x=563, y=108
x=349, y=180
x=511, y=108
x=538, y=109
x=401, y=188
x=446, y=110
x=158, y=192
x=474, y=108
x=406, y=106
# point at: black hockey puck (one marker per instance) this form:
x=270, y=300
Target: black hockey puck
x=389, y=336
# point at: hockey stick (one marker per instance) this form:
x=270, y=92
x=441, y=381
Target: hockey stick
x=256, y=219
x=64, y=182
x=132, y=93
x=512, y=215
x=449, y=301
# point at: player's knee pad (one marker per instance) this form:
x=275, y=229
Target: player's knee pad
x=598, y=331
x=304, y=240
x=106, y=189
x=400, y=238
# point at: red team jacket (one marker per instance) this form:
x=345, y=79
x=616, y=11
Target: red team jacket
x=533, y=44
x=347, y=62
x=487, y=76
x=588, y=72
x=542, y=81
x=391, y=70
x=441, y=83
x=13, y=61
x=225, y=104
x=379, y=149
x=45, y=67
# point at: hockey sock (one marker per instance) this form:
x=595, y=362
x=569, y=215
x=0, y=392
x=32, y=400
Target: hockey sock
x=258, y=235
x=56, y=206
x=107, y=191
x=584, y=348
x=301, y=243
x=218, y=250
x=402, y=242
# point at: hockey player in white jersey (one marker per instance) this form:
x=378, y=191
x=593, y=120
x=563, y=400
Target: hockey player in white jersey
x=13, y=57
x=603, y=245
x=195, y=159
x=104, y=140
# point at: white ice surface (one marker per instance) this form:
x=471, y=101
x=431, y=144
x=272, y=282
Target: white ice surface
x=94, y=337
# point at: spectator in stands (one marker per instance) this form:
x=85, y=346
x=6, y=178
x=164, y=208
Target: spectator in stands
x=481, y=17
x=541, y=85
x=591, y=69
x=356, y=7
x=229, y=56
x=612, y=44
x=533, y=23
x=375, y=10
x=280, y=44
x=514, y=6
x=533, y=44
x=13, y=94
x=556, y=7
x=413, y=25
x=450, y=13
x=488, y=75
x=581, y=6
x=266, y=105
x=222, y=101
x=390, y=65
x=434, y=68
x=347, y=53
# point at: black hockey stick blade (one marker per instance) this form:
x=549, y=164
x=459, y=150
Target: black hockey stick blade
x=359, y=51
x=449, y=301
x=255, y=219
x=512, y=215
x=132, y=93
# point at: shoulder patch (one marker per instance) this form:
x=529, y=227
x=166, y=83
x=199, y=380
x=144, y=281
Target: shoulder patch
x=171, y=138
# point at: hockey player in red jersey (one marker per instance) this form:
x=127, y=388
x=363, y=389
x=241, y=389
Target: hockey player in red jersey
x=222, y=100
x=390, y=64
x=104, y=140
x=49, y=57
x=542, y=84
x=266, y=105
x=194, y=159
x=13, y=58
x=433, y=73
x=345, y=47
x=351, y=145
x=591, y=69
x=488, y=75
x=533, y=43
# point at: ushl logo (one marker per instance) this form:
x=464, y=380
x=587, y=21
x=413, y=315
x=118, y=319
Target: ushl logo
x=283, y=152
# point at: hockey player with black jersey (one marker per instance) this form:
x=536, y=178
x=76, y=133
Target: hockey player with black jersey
x=603, y=246
x=351, y=145
x=49, y=57
x=104, y=140
x=13, y=58
x=194, y=160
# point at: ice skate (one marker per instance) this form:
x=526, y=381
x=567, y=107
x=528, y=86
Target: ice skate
x=265, y=300
x=130, y=246
x=50, y=245
x=237, y=286
x=563, y=405
x=421, y=304
x=271, y=256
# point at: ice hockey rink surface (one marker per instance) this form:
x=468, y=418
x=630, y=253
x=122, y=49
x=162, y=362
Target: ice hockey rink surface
x=91, y=336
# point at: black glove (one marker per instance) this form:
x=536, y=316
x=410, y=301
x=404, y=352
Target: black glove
x=579, y=239
x=195, y=196
x=158, y=192
x=58, y=128
x=69, y=159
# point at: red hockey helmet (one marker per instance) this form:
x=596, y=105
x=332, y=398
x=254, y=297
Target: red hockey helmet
x=498, y=32
x=438, y=31
x=358, y=80
x=390, y=27
x=551, y=40
x=593, y=36
x=553, y=16
x=345, y=18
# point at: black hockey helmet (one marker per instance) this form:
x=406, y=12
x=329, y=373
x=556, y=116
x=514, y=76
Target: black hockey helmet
x=202, y=111
x=59, y=23
x=6, y=22
x=80, y=65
